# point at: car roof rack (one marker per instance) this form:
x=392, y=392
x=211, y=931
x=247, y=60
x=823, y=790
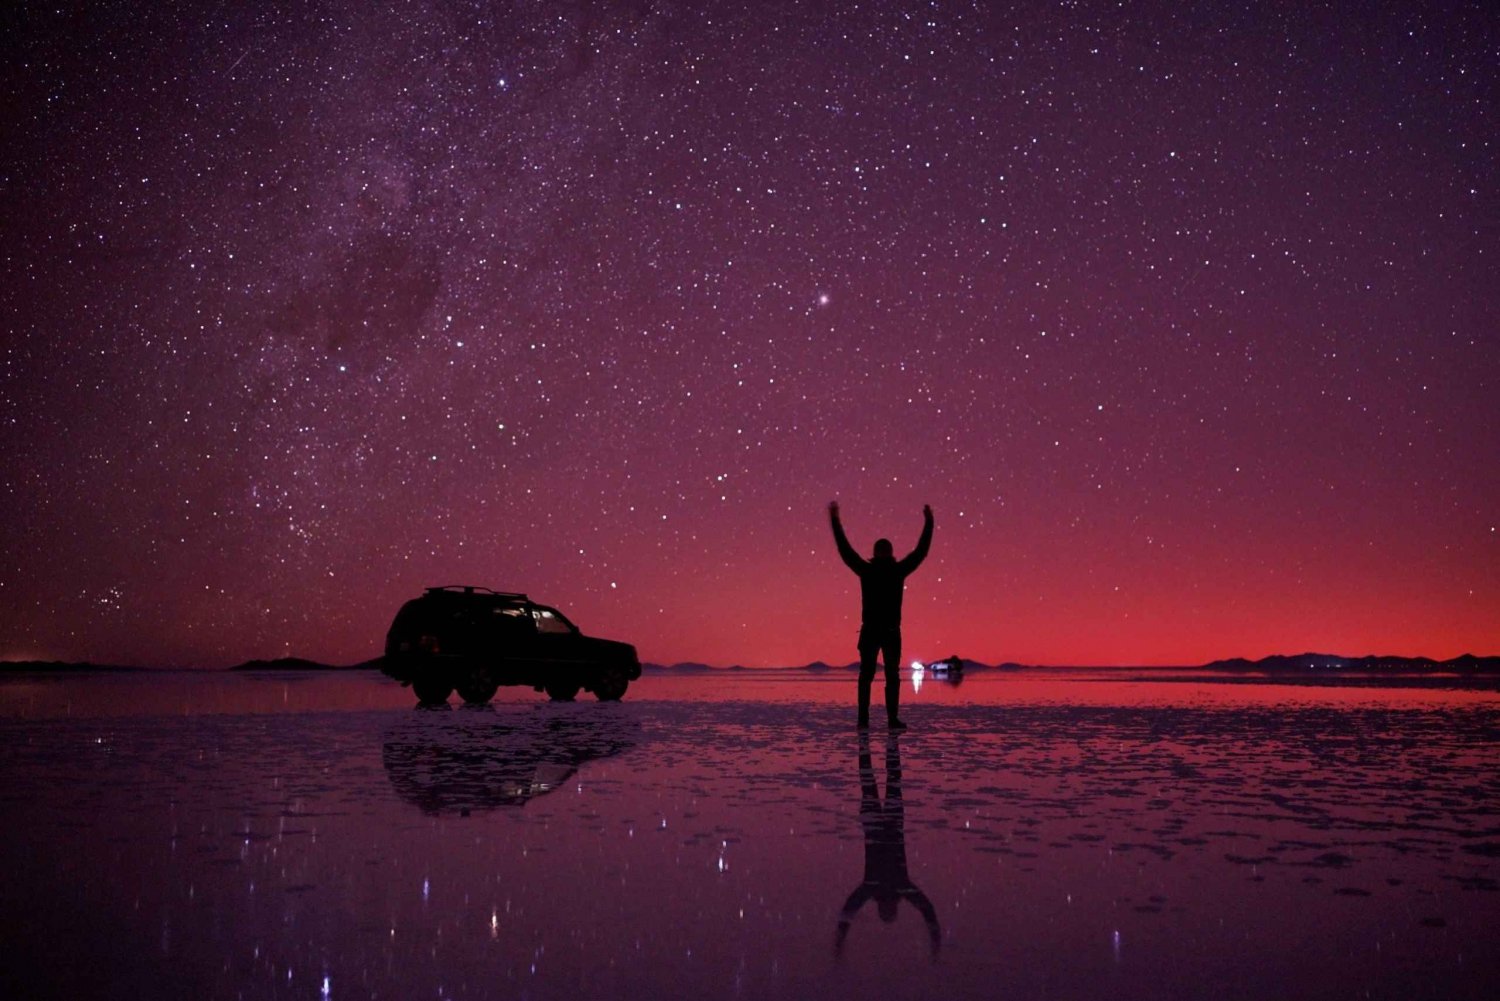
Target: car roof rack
x=472, y=589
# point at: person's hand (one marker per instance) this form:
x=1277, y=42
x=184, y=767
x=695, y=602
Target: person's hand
x=833, y=509
x=927, y=510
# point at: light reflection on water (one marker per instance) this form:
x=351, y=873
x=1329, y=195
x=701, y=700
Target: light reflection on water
x=722, y=837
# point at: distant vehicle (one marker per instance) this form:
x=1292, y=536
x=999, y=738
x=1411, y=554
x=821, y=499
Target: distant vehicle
x=949, y=665
x=949, y=670
x=474, y=640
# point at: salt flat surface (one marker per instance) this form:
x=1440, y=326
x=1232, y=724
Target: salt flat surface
x=1071, y=835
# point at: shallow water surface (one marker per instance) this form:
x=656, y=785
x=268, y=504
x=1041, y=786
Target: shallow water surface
x=1068, y=835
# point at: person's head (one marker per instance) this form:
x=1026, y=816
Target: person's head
x=884, y=550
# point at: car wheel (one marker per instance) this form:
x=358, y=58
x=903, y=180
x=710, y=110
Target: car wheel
x=431, y=691
x=611, y=685
x=562, y=691
x=477, y=689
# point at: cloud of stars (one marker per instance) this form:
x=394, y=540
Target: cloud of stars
x=1180, y=316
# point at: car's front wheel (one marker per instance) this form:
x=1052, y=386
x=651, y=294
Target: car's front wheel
x=431, y=691
x=611, y=684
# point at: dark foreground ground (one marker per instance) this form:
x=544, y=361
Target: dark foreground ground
x=1073, y=836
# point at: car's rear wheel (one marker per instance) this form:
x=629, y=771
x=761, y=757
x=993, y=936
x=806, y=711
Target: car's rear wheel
x=431, y=691
x=562, y=690
x=611, y=684
x=478, y=688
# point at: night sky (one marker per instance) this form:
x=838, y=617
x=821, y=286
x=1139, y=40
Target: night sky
x=1182, y=318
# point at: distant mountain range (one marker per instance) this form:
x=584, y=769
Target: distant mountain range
x=1302, y=663
x=1328, y=663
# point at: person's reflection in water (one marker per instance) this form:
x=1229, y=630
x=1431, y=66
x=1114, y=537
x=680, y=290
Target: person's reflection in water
x=886, y=880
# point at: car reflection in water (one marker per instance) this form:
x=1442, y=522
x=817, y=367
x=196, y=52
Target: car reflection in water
x=466, y=761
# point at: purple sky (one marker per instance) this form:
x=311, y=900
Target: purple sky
x=1182, y=317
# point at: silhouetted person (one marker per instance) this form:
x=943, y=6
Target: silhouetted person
x=886, y=879
x=882, y=580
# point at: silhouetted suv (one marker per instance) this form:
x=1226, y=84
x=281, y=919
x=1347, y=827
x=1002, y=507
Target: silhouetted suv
x=475, y=640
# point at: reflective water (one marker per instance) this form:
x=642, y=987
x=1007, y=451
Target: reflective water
x=1068, y=835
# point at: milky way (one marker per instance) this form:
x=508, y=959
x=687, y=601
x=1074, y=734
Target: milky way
x=1182, y=317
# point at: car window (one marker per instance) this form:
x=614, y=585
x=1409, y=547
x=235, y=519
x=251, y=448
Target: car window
x=512, y=620
x=548, y=621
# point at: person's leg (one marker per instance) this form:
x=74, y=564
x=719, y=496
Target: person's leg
x=892, y=652
x=869, y=647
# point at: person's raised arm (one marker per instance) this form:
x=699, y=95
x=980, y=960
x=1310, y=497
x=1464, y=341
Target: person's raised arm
x=916, y=556
x=846, y=552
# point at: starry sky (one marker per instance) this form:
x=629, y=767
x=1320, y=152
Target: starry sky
x=1181, y=316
